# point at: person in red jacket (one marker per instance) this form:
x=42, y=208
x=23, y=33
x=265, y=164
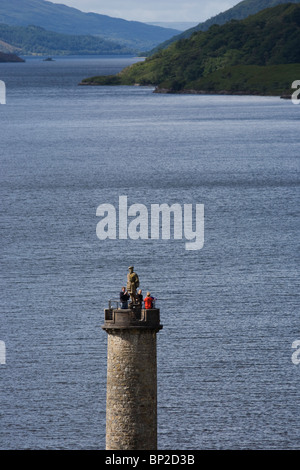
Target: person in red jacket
x=148, y=300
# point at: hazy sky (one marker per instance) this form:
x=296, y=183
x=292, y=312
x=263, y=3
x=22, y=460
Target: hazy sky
x=153, y=10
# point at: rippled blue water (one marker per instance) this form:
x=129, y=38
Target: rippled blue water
x=230, y=311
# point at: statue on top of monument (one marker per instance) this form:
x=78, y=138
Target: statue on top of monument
x=132, y=284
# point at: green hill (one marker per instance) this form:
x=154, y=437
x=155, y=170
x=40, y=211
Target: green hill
x=257, y=55
x=66, y=20
x=239, y=12
x=36, y=40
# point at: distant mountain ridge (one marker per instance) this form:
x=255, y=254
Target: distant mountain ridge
x=239, y=12
x=34, y=40
x=180, y=25
x=66, y=20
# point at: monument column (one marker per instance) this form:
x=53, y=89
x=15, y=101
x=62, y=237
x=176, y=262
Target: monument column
x=131, y=401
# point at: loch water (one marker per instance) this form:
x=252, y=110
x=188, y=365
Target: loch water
x=230, y=311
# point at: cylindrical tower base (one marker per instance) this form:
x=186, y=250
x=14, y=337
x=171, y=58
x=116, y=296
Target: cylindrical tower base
x=131, y=419
x=131, y=402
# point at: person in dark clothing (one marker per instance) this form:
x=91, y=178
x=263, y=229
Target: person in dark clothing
x=124, y=297
x=139, y=297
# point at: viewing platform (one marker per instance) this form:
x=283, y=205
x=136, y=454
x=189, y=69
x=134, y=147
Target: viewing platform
x=131, y=318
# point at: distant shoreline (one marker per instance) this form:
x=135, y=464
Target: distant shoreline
x=166, y=91
x=216, y=92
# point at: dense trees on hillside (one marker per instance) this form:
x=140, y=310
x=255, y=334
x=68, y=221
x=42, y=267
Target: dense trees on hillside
x=36, y=40
x=209, y=60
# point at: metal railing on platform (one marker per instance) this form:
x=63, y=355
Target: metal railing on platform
x=115, y=302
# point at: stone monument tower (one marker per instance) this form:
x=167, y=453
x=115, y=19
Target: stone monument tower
x=131, y=400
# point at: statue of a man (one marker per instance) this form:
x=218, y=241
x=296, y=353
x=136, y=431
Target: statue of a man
x=132, y=283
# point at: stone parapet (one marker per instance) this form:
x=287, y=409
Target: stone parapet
x=132, y=318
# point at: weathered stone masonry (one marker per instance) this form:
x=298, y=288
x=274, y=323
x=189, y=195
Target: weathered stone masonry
x=131, y=403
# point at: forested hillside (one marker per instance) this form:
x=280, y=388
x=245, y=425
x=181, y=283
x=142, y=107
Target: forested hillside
x=260, y=54
x=66, y=20
x=36, y=40
x=239, y=12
